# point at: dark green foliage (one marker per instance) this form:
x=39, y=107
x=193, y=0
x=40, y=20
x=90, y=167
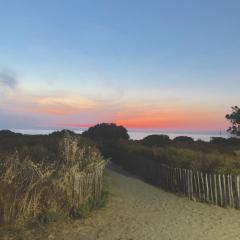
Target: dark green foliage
x=144, y=161
x=49, y=216
x=233, y=141
x=225, y=146
x=62, y=133
x=156, y=140
x=183, y=139
x=234, y=119
x=106, y=132
x=143, y=157
x=8, y=133
x=85, y=209
x=42, y=149
x=218, y=140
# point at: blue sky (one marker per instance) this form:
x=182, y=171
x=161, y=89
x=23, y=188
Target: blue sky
x=164, y=64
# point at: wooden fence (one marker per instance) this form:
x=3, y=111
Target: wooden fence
x=88, y=184
x=218, y=189
x=18, y=207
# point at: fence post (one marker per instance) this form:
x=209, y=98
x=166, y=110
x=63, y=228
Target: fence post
x=229, y=193
x=207, y=188
x=191, y=184
x=215, y=189
x=238, y=191
x=203, y=187
x=198, y=187
x=220, y=189
x=231, y=190
x=224, y=191
x=211, y=188
x=186, y=182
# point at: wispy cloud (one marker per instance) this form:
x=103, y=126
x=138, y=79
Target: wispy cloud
x=8, y=79
x=29, y=108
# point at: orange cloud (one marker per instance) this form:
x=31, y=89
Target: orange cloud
x=72, y=110
x=140, y=116
x=181, y=117
x=51, y=105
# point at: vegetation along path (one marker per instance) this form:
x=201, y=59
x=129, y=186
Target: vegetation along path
x=137, y=210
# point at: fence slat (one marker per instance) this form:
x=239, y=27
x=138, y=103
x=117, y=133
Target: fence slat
x=211, y=188
x=225, y=199
x=238, y=192
x=231, y=191
x=191, y=180
x=207, y=188
x=219, y=189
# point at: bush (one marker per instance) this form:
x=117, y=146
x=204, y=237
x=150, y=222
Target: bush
x=106, y=132
x=183, y=139
x=92, y=204
x=218, y=140
x=156, y=140
x=50, y=216
x=144, y=161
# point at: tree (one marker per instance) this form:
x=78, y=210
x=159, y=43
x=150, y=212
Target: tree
x=234, y=118
x=106, y=132
x=183, y=139
x=156, y=140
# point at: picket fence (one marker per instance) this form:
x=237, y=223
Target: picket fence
x=218, y=189
x=88, y=184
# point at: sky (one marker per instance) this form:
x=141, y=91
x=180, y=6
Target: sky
x=164, y=64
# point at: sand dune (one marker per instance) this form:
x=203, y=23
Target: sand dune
x=139, y=211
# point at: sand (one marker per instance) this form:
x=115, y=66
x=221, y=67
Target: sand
x=139, y=211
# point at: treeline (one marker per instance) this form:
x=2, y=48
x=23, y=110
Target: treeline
x=133, y=155
x=223, y=145
x=141, y=157
x=41, y=149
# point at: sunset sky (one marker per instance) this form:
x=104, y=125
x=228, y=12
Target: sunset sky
x=166, y=64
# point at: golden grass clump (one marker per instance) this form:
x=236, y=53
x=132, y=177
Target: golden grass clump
x=28, y=188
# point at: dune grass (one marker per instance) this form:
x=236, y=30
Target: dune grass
x=35, y=188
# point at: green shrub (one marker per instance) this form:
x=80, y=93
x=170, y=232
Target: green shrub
x=50, y=216
x=156, y=140
x=92, y=204
x=143, y=160
x=184, y=139
x=105, y=132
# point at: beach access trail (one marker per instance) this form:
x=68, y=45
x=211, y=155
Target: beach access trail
x=139, y=211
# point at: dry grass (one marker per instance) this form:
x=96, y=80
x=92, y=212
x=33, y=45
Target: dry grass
x=28, y=189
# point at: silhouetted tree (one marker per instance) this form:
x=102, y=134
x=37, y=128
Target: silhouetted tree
x=234, y=118
x=156, y=140
x=184, y=139
x=218, y=140
x=106, y=132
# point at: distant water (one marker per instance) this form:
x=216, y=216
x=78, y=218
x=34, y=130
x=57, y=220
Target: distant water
x=196, y=136
x=138, y=134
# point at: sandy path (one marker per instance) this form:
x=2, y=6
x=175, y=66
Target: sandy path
x=137, y=210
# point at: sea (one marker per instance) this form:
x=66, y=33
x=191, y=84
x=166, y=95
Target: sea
x=137, y=134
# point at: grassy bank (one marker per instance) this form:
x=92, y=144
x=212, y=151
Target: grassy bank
x=45, y=178
x=141, y=157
